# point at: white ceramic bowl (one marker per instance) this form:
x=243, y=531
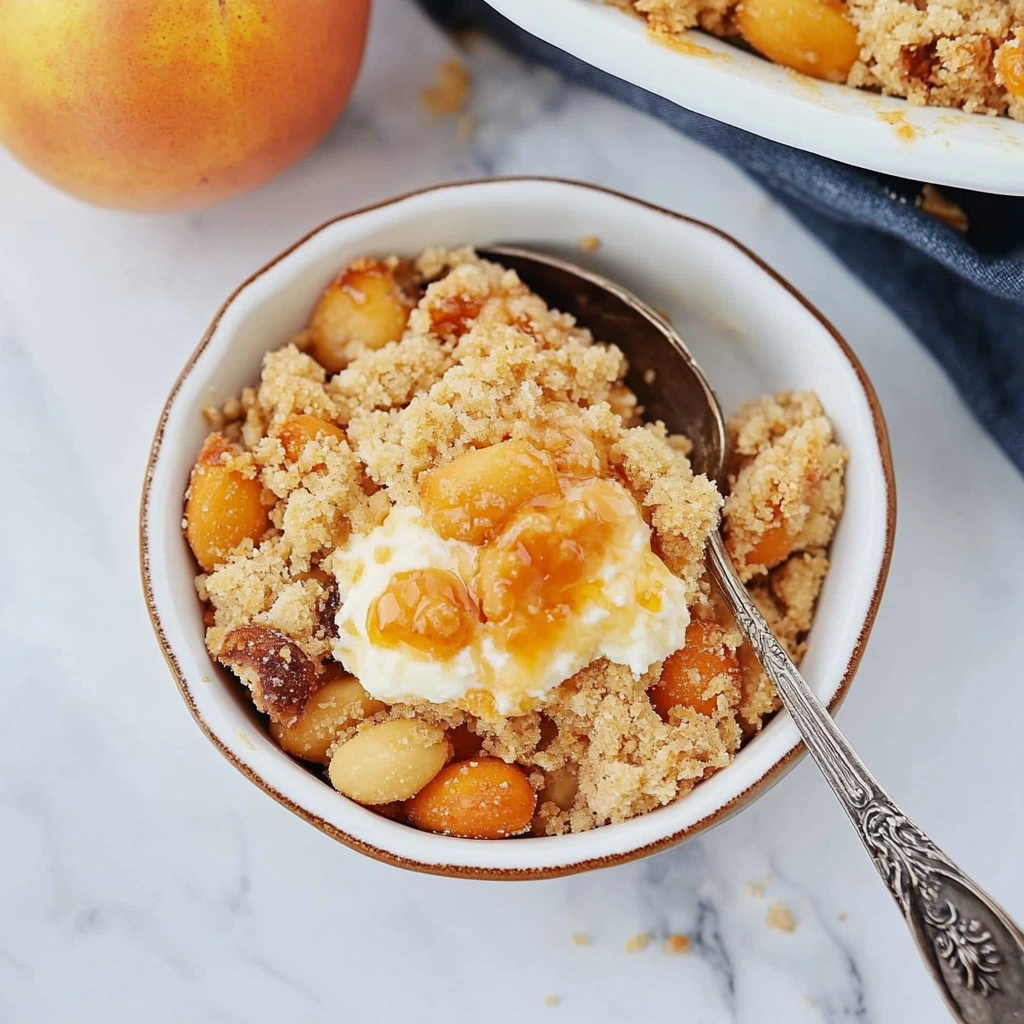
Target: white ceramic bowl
x=771, y=340
x=935, y=144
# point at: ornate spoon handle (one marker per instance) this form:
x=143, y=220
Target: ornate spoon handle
x=973, y=949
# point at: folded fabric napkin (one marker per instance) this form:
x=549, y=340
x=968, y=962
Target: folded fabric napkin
x=961, y=294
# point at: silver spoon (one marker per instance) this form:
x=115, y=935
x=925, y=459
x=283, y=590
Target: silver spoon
x=974, y=951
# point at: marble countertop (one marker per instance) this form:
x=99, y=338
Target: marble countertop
x=142, y=878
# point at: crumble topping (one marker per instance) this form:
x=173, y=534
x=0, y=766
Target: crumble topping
x=482, y=361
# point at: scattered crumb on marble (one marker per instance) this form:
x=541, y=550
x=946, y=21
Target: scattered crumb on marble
x=206, y=679
x=552, y=1000
x=590, y=243
x=450, y=91
x=465, y=127
x=755, y=890
x=809, y=1001
x=842, y=916
x=780, y=918
x=638, y=943
x=676, y=944
x=933, y=202
x=650, y=375
x=580, y=939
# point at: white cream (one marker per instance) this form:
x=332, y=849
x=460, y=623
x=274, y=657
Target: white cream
x=616, y=626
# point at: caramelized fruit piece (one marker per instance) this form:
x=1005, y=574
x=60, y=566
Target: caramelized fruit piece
x=388, y=762
x=363, y=306
x=296, y=431
x=453, y=315
x=338, y=704
x=429, y=609
x=483, y=798
x=473, y=496
x=688, y=672
x=222, y=507
x=815, y=37
x=1010, y=65
x=274, y=667
x=541, y=567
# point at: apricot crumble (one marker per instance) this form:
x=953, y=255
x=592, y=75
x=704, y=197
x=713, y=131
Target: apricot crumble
x=453, y=565
x=948, y=53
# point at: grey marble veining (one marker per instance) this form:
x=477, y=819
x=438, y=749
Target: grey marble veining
x=142, y=878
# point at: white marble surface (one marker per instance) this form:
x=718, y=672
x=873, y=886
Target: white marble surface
x=142, y=878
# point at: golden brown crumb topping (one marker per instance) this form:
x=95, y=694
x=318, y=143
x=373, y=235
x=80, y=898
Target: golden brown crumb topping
x=950, y=53
x=450, y=369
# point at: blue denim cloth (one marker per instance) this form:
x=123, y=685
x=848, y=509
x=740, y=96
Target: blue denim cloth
x=961, y=295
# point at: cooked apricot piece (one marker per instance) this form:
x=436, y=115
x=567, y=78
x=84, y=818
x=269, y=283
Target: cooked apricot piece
x=815, y=37
x=472, y=497
x=773, y=547
x=388, y=762
x=363, y=307
x=688, y=674
x=483, y=798
x=222, y=507
x=428, y=609
x=296, y=431
x=1010, y=65
x=338, y=704
x=542, y=566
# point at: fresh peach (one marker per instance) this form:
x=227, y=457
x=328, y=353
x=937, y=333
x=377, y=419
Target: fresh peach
x=172, y=104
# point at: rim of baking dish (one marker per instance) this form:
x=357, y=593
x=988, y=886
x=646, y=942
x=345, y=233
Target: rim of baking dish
x=570, y=862
x=941, y=145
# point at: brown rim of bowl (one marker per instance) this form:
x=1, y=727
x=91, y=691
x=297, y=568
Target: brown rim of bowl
x=772, y=775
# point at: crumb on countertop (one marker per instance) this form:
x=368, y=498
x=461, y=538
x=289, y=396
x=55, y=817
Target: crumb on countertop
x=580, y=939
x=638, y=943
x=780, y=918
x=552, y=1000
x=590, y=243
x=676, y=944
x=449, y=92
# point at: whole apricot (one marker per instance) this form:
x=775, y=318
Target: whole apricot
x=172, y=104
